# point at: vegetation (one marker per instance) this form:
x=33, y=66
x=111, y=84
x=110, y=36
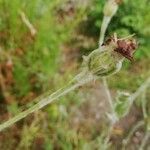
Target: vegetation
x=41, y=44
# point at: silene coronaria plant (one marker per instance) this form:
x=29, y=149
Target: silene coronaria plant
x=106, y=60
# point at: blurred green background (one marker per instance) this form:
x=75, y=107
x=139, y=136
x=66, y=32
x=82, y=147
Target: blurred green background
x=41, y=48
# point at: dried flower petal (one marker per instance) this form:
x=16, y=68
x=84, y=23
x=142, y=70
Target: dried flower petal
x=126, y=48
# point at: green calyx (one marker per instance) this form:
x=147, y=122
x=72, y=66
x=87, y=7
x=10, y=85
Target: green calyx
x=103, y=62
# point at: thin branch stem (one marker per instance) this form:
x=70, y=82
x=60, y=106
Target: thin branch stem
x=145, y=115
x=108, y=93
x=141, y=89
x=105, y=23
x=104, y=26
x=48, y=99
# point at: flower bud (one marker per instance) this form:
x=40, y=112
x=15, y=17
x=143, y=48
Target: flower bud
x=110, y=8
x=103, y=63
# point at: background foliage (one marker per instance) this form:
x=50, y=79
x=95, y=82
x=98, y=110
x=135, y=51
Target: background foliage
x=31, y=64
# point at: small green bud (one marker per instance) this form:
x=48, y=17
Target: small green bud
x=103, y=63
x=110, y=8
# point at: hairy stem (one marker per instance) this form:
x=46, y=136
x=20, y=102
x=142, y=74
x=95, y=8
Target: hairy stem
x=105, y=23
x=43, y=101
x=108, y=93
x=138, y=92
x=104, y=26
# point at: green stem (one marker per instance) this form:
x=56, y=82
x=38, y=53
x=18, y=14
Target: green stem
x=79, y=80
x=139, y=91
x=105, y=23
